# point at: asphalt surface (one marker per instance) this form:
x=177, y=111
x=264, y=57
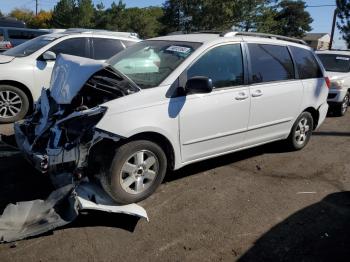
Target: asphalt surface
x=262, y=204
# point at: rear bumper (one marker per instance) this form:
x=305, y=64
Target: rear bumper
x=336, y=95
x=322, y=111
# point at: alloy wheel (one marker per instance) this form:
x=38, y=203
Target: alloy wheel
x=10, y=104
x=302, y=131
x=139, y=172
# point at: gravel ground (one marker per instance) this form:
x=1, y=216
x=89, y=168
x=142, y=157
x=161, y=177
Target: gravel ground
x=262, y=204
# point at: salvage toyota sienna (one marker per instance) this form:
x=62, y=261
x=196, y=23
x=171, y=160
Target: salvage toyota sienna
x=170, y=101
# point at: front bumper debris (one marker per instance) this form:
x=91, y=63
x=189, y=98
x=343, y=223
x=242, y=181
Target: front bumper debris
x=32, y=218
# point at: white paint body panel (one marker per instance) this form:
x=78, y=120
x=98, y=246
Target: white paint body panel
x=201, y=126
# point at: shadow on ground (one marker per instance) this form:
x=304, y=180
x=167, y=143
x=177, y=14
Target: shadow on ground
x=320, y=232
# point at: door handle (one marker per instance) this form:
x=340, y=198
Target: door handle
x=257, y=93
x=241, y=96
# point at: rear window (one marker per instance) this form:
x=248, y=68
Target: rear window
x=335, y=63
x=25, y=35
x=270, y=63
x=104, y=48
x=306, y=62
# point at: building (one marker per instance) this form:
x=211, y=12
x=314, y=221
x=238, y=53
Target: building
x=318, y=41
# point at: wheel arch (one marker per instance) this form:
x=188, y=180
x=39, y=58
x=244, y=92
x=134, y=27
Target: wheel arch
x=315, y=115
x=24, y=88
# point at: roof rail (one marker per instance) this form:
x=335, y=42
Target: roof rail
x=279, y=37
x=102, y=32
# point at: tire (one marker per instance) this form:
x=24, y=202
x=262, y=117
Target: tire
x=137, y=169
x=341, y=109
x=14, y=104
x=301, y=132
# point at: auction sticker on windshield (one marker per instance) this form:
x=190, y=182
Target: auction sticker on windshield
x=179, y=49
x=342, y=58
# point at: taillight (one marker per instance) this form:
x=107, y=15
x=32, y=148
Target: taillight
x=8, y=45
x=328, y=82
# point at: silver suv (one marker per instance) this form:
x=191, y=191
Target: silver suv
x=337, y=65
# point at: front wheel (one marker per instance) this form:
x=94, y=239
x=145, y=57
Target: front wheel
x=301, y=132
x=14, y=104
x=137, y=169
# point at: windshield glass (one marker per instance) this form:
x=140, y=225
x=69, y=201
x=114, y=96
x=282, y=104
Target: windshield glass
x=335, y=63
x=148, y=63
x=31, y=46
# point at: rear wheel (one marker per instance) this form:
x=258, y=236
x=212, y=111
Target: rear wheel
x=137, y=169
x=301, y=132
x=14, y=104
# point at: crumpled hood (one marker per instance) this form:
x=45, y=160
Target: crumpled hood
x=70, y=74
x=4, y=59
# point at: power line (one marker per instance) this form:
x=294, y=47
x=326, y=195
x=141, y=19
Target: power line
x=319, y=6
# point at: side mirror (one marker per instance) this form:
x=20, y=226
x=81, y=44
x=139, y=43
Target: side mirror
x=49, y=56
x=198, y=85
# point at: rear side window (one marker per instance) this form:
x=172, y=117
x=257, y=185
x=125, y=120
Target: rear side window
x=270, y=63
x=104, y=48
x=72, y=46
x=306, y=62
x=222, y=64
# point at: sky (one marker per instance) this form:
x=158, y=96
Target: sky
x=322, y=16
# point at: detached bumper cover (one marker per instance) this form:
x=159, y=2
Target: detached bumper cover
x=322, y=110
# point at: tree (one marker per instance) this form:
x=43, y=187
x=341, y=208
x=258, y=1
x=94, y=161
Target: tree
x=63, y=15
x=84, y=14
x=1, y=15
x=42, y=20
x=22, y=14
x=293, y=20
x=343, y=13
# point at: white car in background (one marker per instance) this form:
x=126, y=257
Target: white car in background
x=25, y=69
x=171, y=101
x=337, y=65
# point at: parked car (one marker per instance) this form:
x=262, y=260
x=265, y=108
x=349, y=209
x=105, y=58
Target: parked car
x=127, y=123
x=25, y=69
x=11, y=22
x=11, y=37
x=337, y=65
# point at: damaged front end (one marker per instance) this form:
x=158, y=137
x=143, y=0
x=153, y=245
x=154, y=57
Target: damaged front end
x=59, y=135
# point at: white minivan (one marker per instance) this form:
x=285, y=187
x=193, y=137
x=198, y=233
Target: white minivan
x=170, y=101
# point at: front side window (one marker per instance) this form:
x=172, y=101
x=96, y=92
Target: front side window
x=31, y=46
x=270, y=63
x=104, y=48
x=72, y=46
x=148, y=63
x=222, y=64
x=307, y=64
x=335, y=63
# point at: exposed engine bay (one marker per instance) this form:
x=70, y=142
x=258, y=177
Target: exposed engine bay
x=58, y=136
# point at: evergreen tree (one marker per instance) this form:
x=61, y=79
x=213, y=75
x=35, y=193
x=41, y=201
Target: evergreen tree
x=84, y=14
x=293, y=19
x=343, y=13
x=63, y=15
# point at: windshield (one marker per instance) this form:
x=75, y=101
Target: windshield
x=335, y=63
x=148, y=63
x=29, y=47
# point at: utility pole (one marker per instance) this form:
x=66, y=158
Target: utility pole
x=36, y=7
x=333, y=28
